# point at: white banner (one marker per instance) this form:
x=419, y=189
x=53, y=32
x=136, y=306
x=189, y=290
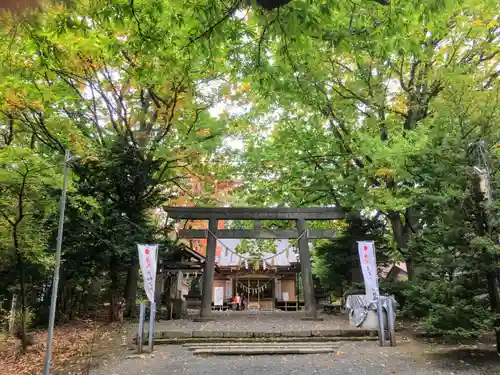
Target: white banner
x=148, y=255
x=367, y=257
x=219, y=296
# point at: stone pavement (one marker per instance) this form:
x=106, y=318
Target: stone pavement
x=356, y=358
x=261, y=325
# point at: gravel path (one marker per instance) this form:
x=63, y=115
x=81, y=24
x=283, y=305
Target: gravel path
x=356, y=358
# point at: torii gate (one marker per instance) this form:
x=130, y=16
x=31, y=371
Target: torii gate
x=213, y=215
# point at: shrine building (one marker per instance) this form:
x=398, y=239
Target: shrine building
x=267, y=283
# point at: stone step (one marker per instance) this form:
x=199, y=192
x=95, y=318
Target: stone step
x=261, y=344
x=261, y=351
x=274, y=347
x=168, y=334
x=212, y=340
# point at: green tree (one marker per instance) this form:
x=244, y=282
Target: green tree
x=26, y=183
x=104, y=80
x=336, y=261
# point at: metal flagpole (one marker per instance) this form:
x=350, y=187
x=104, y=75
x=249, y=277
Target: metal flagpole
x=390, y=321
x=152, y=312
x=55, y=283
x=380, y=308
x=140, y=330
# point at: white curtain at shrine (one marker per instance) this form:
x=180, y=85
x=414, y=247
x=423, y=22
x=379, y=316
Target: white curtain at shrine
x=277, y=286
x=229, y=288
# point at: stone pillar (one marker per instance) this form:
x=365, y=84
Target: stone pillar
x=208, y=273
x=305, y=265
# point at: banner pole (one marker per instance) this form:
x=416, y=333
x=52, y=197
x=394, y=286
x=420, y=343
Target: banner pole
x=391, y=321
x=381, y=328
x=151, y=327
x=152, y=313
x=140, y=330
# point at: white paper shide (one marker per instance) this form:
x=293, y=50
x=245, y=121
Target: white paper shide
x=368, y=261
x=148, y=255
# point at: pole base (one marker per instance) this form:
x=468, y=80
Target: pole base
x=312, y=318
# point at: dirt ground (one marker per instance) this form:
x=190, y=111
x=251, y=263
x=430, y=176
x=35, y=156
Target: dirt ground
x=77, y=347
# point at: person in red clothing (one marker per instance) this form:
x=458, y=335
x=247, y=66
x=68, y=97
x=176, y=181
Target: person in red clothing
x=237, y=301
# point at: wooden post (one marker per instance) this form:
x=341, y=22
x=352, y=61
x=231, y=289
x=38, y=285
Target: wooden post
x=307, y=279
x=296, y=292
x=258, y=294
x=274, y=294
x=208, y=273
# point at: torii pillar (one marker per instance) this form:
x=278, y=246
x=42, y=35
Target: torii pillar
x=306, y=269
x=208, y=273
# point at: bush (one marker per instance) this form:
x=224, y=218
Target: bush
x=396, y=288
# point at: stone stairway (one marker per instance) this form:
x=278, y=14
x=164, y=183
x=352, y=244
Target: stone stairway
x=309, y=336
x=261, y=348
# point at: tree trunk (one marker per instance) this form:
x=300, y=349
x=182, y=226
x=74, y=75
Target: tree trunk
x=130, y=294
x=402, y=229
x=113, y=273
x=22, y=280
x=13, y=310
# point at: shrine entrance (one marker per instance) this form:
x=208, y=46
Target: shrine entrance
x=213, y=234
x=256, y=293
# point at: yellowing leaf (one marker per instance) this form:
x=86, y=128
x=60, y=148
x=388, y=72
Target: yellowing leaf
x=384, y=172
x=244, y=87
x=492, y=24
x=203, y=132
x=37, y=105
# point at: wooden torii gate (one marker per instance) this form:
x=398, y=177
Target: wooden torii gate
x=213, y=215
